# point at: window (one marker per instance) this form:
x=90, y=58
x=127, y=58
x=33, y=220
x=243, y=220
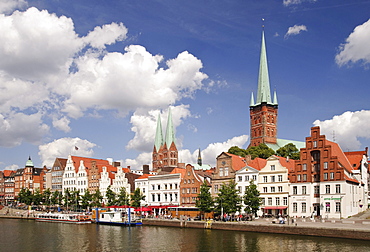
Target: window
x=221, y=171
x=337, y=207
x=277, y=201
x=280, y=189
x=246, y=178
x=294, y=190
x=280, y=178
x=325, y=176
x=295, y=207
x=327, y=189
x=327, y=207
x=254, y=177
x=265, y=189
x=226, y=171
x=272, y=178
x=314, y=144
x=337, y=188
x=304, y=177
x=159, y=187
x=304, y=207
x=299, y=177
x=272, y=167
x=304, y=167
x=239, y=189
x=316, y=189
x=325, y=165
x=239, y=178
x=265, y=179
x=159, y=197
x=216, y=189
x=269, y=200
x=263, y=201
x=332, y=175
x=285, y=201
x=153, y=197
x=304, y=190
x=272, y=189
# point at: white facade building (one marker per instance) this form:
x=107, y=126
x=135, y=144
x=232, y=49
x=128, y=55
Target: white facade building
x=243, y=177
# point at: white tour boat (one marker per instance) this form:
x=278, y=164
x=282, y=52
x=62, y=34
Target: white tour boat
x=64, y=218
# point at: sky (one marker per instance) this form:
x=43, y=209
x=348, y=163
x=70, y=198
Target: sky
x=96, y=74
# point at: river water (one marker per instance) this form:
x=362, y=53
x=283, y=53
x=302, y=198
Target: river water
x=28, y=235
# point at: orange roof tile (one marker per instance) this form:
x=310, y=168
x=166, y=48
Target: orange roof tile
x=355, y=158
x=257, y=163
x=288, y=163
x=237, y=161
x=182, y=171
x=351, y=179
x=337, y=151
x=144, y=176
x=7, y=173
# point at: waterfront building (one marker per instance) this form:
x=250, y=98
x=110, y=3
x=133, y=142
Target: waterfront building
x=243, y=177
x=190, y=186
x=9, y=186
x=264, y=110
x=226, y=166
x=273, y=184
x=120, y=180
x=2, y=187
x=57, y=171
x=328, y=182
x=165, y=154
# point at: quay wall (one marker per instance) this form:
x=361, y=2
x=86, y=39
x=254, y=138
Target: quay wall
x=347, y=233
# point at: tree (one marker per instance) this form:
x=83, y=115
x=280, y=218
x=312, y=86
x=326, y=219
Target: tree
x=111, y=196
x=86, y=199
x=228, y=200
x=75, y=199
x=37, y=197
x=237, y=151
x=204, y=200
x=252, y=199
x=261, y=151
x=56, y=198
x=46, y=197
x=289, y=150
x=97, y=198
x=136, y=198
x=25, y=196
x=123, y=197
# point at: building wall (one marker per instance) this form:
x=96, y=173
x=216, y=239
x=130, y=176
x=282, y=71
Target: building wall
x=263, y=124
x=190, y=187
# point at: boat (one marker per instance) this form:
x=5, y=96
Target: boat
x=116, y=218
x=64, y=218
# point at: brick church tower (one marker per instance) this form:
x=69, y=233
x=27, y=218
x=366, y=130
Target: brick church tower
x=165, y=154
x=263, y=112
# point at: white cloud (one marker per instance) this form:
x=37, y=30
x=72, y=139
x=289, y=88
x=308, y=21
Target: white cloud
x=356, y=48
x=137, y=164
x=8, y=6
x=348, y=128
x=63, y=147
x=295, y=30
x=295, y=2
x=12, y=167
x=62, y=124
x=106, y=35
x=144, y=124
x=18, y=127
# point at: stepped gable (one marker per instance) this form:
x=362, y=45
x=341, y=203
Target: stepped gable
x=88, y=163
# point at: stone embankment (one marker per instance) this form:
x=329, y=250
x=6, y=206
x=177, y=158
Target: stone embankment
x=349, y=229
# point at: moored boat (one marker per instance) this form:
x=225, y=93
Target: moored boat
x=116, y=218
x=64, y=218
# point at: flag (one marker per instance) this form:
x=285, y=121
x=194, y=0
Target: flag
x=76, y=148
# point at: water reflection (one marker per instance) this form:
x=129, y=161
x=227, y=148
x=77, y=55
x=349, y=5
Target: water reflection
x=22, y=235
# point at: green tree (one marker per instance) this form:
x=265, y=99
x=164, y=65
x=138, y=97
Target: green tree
x=75, y=199
x=123, y=197
x=136, y=198
x=25, y=196
x=204, y=200
x=111, y=196
x=228, y=200
x=37, y=197
x=86, y=199
x=97, y=199
x=46, y=197
x=67, y=198
x=289, y=150
x=56, y=198
x=237, y=151
x=252, y=200
x=261, y=151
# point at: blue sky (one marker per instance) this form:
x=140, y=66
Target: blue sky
x=96, y=74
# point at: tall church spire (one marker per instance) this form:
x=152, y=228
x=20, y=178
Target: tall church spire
x=170, y=133
x=199, y=158
x=263, y=93
x=158, y=142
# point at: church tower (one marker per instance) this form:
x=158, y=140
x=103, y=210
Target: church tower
x=263, y=112
x=165, y=154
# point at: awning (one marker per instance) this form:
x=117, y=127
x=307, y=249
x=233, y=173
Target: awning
x=275, y=207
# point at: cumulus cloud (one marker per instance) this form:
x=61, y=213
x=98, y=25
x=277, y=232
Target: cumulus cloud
x=356, y=48
x=62, y=124
x=106, y=35
x=12, y=167
x=63, y=147
x=8, y=6
x=144, y=124
x=295, y=30
x=139, y=161
x=348, y=128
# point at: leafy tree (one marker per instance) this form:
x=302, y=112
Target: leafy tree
x=228, y=198
x=136, y=198
x=75, y=199
x=37, y=197
x=289, y=150
x=261, y=151
x=25, y=196
x=252, y=199
x=67, y=198
x=86, y=199
x=97, y=199
x=46, y=197
x=123, y=197
x=237, y=151
x=111, y=196
x=56, y=198
x=204, y=200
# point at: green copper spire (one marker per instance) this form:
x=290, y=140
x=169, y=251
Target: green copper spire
x=263, y=93
x=29, y=162
x=158, y=142
x=252, y=100
x=170, y=133
x=275, y=98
